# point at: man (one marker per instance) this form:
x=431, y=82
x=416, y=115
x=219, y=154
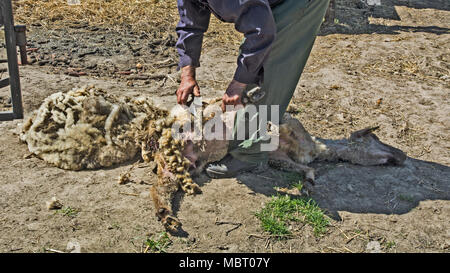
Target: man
x=279, y=35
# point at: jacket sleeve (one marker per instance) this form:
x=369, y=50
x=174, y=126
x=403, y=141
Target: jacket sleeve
x=194, y=21
x=255, y=20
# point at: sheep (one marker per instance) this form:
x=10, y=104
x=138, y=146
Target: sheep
x=87, y=128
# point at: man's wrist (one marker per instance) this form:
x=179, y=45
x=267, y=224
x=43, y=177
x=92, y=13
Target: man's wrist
x=238, y=83
x=188, y=72
x=236, y=86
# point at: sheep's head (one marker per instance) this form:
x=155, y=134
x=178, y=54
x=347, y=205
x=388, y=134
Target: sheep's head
x=365, y=148
x=205, y=134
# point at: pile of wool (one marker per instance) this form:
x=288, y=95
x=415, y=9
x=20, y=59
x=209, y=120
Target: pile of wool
x=87, y=128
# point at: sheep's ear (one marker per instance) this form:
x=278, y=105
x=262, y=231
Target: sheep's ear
x=363, y=132
x=370, y=151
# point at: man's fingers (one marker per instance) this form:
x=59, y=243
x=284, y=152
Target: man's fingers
x=187, y=86
x=179, y=93
x=234, y=100
x=178, y=96
x=196, y=91
x=184, y=96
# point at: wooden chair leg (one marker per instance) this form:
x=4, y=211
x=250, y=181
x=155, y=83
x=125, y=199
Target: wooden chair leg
x=21, y=41
x=13, y=68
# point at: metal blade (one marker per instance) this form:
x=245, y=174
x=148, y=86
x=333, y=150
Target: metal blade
x=196, y=106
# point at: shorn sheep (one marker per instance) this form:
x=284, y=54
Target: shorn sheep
x=87, y=128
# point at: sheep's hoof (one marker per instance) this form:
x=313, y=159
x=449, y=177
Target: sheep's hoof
x=172, y=224
x=308, y=187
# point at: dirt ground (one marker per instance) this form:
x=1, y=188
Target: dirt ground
x=386, y=65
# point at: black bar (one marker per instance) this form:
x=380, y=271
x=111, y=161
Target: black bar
x=277, y=262
x=11, y=49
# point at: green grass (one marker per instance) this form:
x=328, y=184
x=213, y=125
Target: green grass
x=158, y=243
x=390, y=244
x=68, y=211
x=299, y=186
x=295, y=179
x=282, y=210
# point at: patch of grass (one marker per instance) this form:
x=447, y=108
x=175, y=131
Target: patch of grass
x=68, y=211
x=158, y=243
x=299, y=186
x=390, y=244
x=295, y=179
x=281, y=210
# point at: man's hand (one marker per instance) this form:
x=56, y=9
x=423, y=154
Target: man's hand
x=188, y=85
x=233, y=94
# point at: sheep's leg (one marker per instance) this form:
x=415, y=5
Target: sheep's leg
x=164, y=191
x=162, y=198
x=162, y=194
x=282, y=162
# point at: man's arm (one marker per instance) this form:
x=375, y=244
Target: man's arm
x=194, y=21
x=255, y=20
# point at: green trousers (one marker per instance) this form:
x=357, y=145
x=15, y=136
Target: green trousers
x=298, y=22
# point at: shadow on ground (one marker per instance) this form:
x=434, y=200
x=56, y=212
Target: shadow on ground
x=361, y=189
x=352, y=16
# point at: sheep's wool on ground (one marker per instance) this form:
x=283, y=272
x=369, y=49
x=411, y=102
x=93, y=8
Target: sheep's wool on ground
x=87, y=128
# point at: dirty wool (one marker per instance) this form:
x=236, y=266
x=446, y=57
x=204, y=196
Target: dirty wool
x=87, y=128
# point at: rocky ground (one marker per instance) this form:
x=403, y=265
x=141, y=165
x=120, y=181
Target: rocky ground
x=385, y=65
